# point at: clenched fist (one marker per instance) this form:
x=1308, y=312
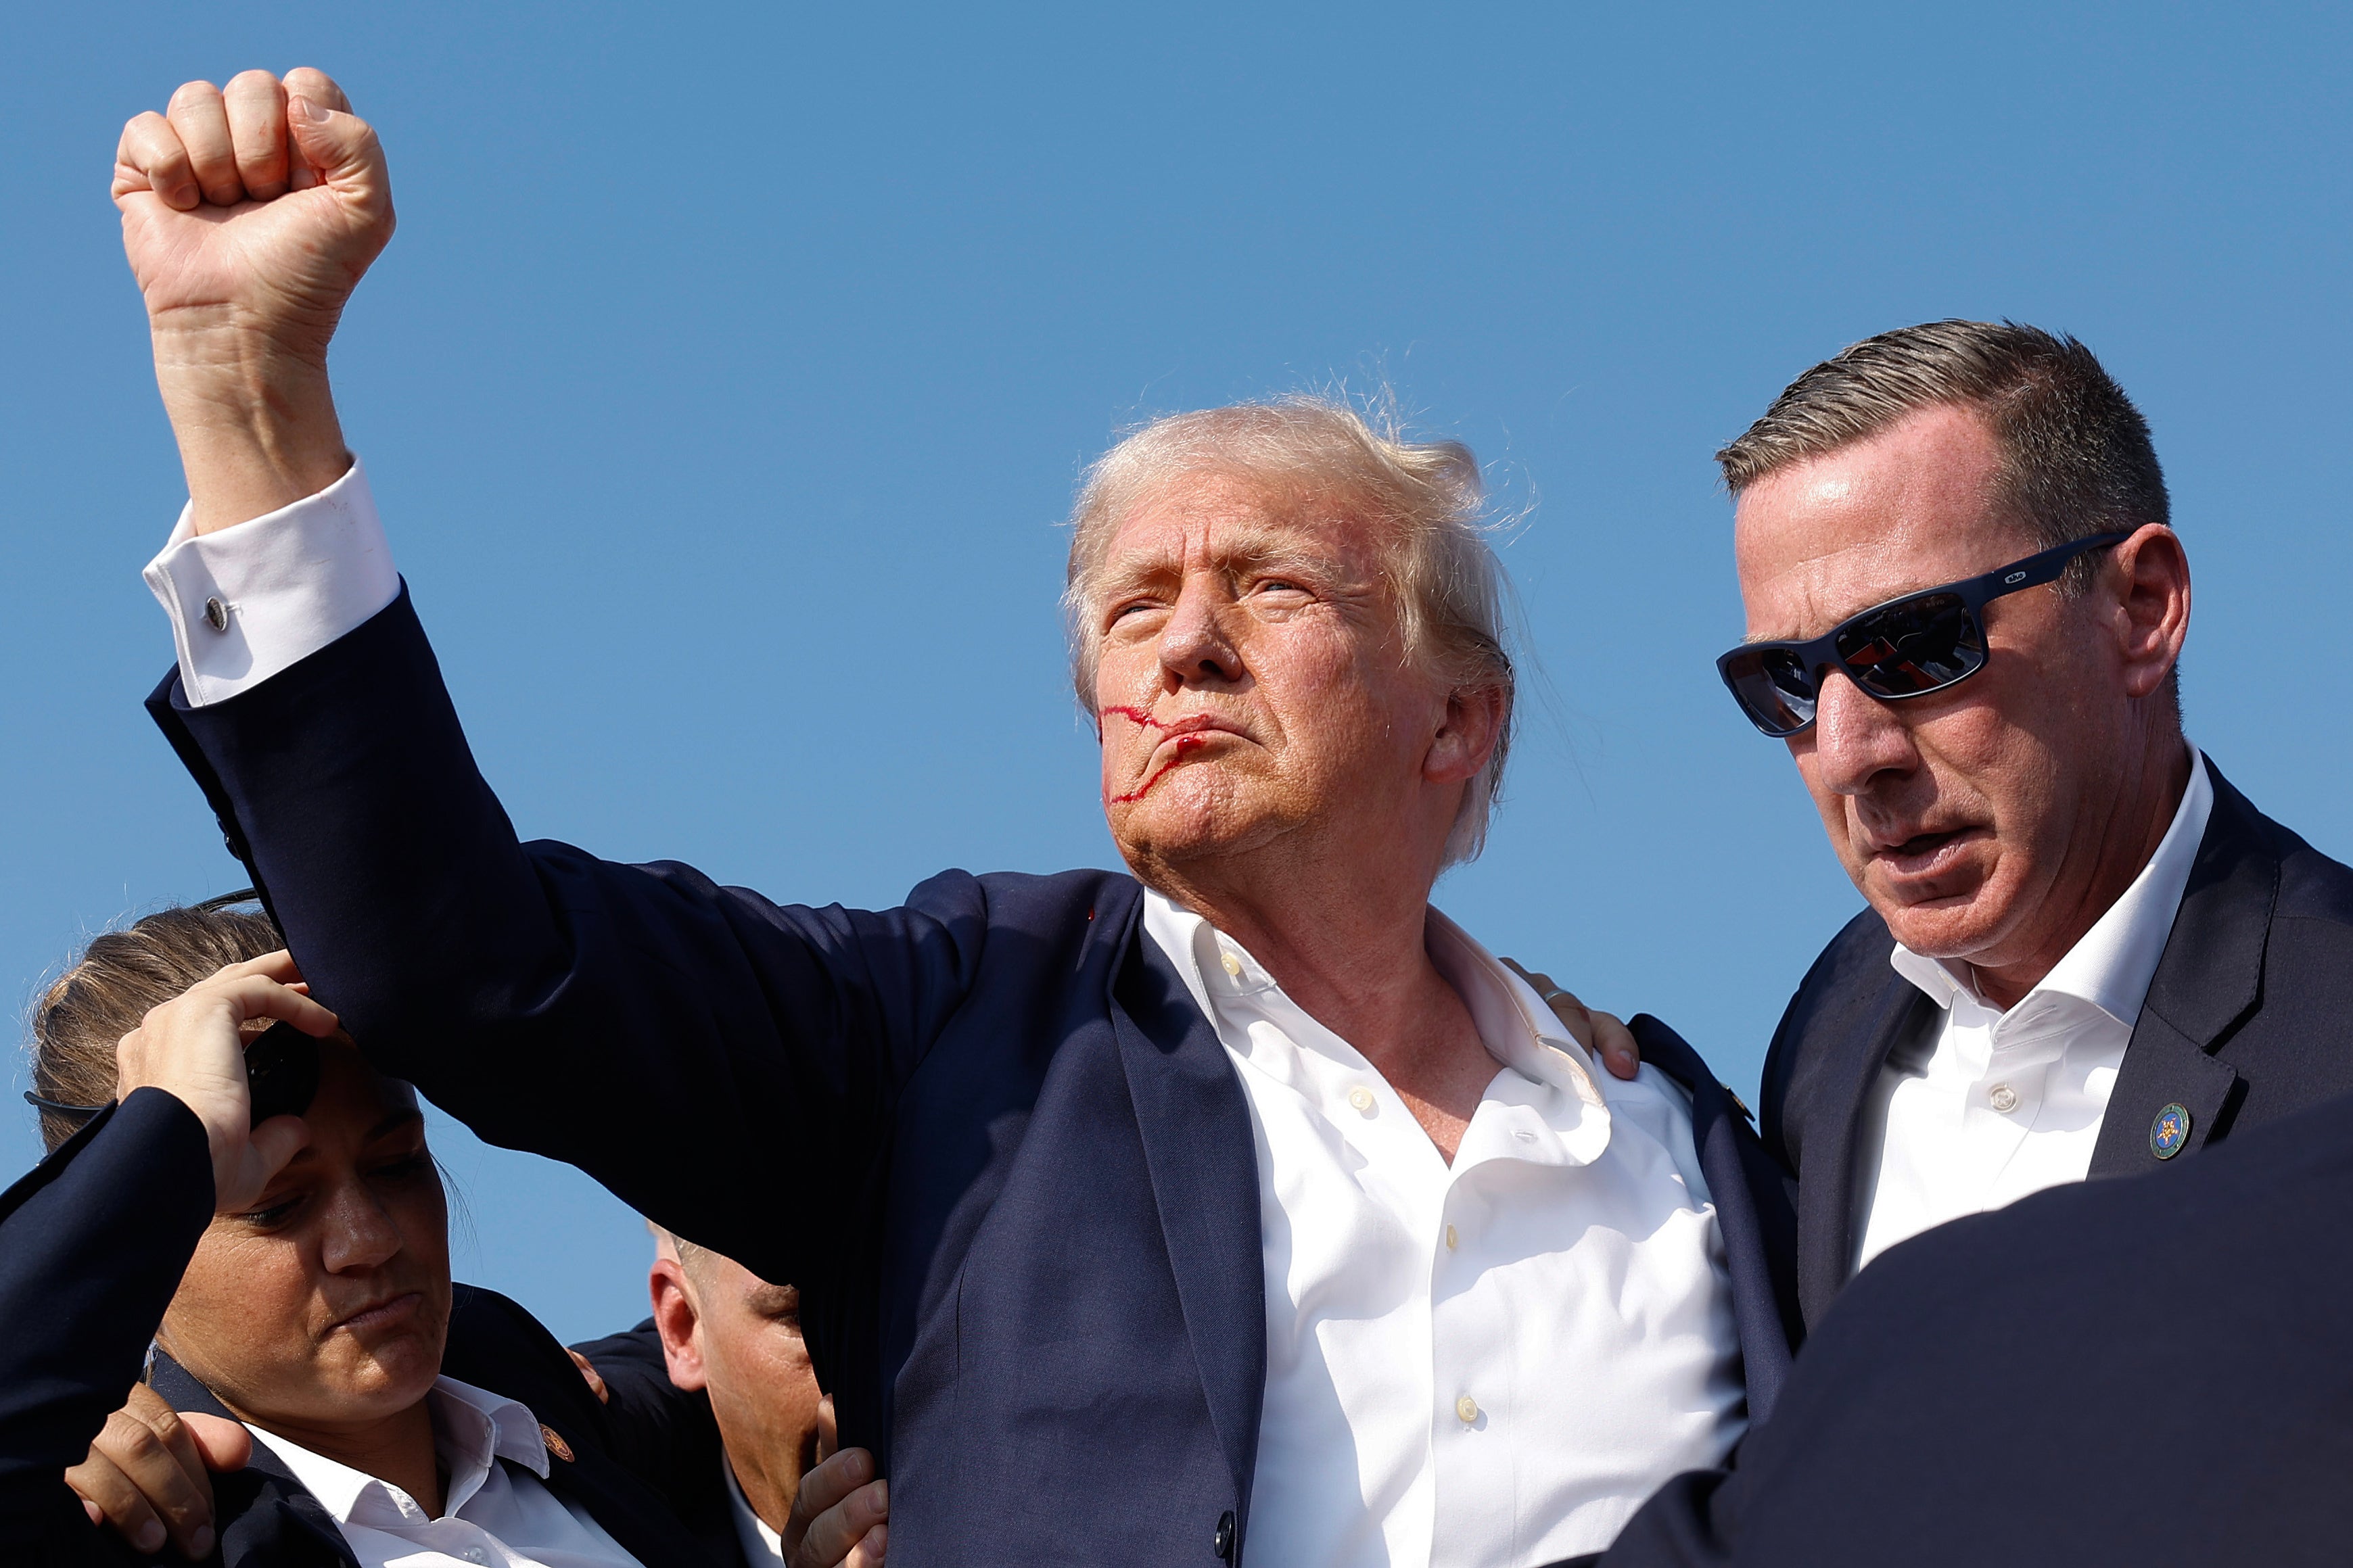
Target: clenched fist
x=250, y=214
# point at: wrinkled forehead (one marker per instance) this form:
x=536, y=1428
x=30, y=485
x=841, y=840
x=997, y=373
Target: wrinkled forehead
x=1224, y=520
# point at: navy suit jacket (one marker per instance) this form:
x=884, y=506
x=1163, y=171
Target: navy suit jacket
x=2249, y=1017
x=92, y=1245
x=988, y=1133
x=2114, y=1372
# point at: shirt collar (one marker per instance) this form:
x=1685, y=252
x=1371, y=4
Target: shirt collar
x=1513, y=1023
x=760, y=1543
x=2111, y=966
x=472, y=1428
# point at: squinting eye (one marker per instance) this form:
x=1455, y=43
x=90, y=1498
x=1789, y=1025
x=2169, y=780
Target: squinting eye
x=271, y=1216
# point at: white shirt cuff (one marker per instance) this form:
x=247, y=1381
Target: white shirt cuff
x=250, y=600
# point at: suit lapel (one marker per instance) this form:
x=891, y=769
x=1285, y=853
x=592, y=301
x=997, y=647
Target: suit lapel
x=266, y=1518
x=1203, y=1158
x=1752, y=1209
x=2209, y=978
x=1826, y=1186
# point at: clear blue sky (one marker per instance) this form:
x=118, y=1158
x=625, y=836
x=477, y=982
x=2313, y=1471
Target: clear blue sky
x=733, y=365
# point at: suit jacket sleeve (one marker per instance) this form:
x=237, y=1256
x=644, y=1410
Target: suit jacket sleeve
x=92, y=1245
x=664, y=1433
x=702, y=1052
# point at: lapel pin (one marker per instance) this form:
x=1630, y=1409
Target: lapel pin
x=555, y=1443
x=2168, y=1132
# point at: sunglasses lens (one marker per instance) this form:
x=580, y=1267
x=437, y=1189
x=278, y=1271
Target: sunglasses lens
x=1913, y=646
x=1773, y=688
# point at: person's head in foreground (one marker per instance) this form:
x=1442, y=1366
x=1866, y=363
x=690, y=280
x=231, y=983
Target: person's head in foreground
x=735, y=1337
x=1287, y=624
x=319, y=1310
x=1964, y=608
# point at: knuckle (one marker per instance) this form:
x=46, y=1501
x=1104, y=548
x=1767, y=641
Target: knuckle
x=190, y=93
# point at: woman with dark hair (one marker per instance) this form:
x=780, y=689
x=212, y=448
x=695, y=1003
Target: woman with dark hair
x=239, y=1208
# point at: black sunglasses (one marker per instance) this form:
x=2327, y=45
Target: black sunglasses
x=1909, y=647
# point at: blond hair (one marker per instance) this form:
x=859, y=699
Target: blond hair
x=1425, y=498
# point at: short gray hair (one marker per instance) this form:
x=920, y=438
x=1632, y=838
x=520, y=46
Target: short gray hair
x=1426, y=497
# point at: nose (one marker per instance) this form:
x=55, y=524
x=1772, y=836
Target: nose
x=359, y=1233
x=1857, y=739
x=1195, y=650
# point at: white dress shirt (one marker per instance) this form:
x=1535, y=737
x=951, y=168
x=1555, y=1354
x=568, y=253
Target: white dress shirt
x=760, y=1544
x=1490, y=1363
x=1995, y=1105
x=493, y=1516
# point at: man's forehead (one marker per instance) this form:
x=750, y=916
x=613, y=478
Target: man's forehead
x=1917, y=506
x=1226, y=517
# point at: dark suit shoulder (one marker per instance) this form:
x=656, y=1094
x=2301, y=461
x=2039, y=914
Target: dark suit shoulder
x=1849, y=975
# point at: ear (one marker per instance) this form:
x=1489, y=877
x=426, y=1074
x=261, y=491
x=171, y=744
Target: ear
x=1467, y=733
x=678, y=1322
x=2151, y=577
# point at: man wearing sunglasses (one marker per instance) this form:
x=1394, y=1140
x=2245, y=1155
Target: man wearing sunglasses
x=2086, y=954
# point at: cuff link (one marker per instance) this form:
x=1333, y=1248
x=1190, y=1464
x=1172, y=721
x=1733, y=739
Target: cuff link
x=217, y=614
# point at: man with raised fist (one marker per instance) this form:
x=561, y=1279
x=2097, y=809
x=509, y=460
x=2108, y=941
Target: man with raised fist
x=1245, y=1202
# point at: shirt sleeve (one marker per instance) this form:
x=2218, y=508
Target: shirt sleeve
x=248, y=600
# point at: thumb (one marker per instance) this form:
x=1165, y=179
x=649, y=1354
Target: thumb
x=225, y=1445
x=828, y=1436
x=337, y=150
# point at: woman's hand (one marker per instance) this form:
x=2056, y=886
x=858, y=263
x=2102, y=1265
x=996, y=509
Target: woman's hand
x=148, y=1473
x=1598, y=1032
x=193, y=1048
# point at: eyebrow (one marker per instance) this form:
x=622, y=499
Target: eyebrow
x=1242, y=546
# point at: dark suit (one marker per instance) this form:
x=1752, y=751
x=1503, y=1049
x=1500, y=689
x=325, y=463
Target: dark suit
x=1033, y=1279
x=2249, y=1017
x=92, y=1245
x=2146, y=1371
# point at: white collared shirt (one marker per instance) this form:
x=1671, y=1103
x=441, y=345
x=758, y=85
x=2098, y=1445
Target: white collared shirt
x=1997, y=1104
x=761, y=1543
x=1491, y=1362
x=493, y=1516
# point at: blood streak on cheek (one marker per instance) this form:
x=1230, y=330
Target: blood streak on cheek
x=1184, y=744
x=1138, y=715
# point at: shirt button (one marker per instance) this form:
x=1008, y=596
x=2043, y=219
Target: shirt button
x=1362, y=1099
x=1467, y=1408
x=1233, y=966
x=1453, y=1239
x=2002, y=1098
x=217, y=614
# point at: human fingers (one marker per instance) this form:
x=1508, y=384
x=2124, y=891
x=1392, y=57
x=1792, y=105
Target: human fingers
x=147, y=1476
x=868, y=1554
x=200, y=116
x=1615, y=1041
x=149, y=157
x=828, y=1432
x=829, y=1480
x=1599, y=1033
x=225, y=1445
x=834, y=1533
x=588, y=1372
x=337, y=148
x=317, y=86
x=256, y=132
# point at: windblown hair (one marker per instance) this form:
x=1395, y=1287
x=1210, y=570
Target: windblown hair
x=1425, y=498
x=2077, y=457
x=108, y=989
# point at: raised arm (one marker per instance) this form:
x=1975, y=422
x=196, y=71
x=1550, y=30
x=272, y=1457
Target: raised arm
x=697, y=1048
